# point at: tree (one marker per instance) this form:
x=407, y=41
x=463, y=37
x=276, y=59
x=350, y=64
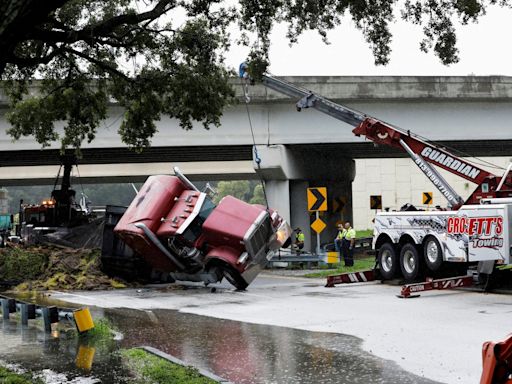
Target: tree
x=87, y=53
x=258, y=196
x=237, y=188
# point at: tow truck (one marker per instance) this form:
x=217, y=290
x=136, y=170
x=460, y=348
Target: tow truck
x=414, y=242
x=58, y=213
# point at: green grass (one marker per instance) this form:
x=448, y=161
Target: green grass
x=103, y=331
x=359, y=265
x=21, y=264
x=364, y=233
x=9, y=377
x=148, y=368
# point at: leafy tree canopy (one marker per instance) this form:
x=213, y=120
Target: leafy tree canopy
x=140, y=54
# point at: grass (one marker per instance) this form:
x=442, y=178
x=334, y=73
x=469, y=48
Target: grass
x=148, y=368
x=364, y=233
x=21, y=264
x=359, y=265
x=103, y=331
x=9, y=377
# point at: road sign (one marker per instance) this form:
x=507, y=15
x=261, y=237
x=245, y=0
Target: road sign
x=317, y=199
x=318, y=225
x=428, y=198
x=375, y=202
x=338, y=204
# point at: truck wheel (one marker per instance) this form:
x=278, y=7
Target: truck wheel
x=433, y=254
x=234, y=277
x=409, y=262
x=387, y=261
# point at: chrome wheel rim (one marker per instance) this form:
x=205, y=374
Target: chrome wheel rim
x=386, y=260
x=432, y=251
x=409, y=262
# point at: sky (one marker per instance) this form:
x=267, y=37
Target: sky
x=484, y=49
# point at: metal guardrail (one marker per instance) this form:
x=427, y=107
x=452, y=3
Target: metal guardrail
x=363, y=244
x=50, y=315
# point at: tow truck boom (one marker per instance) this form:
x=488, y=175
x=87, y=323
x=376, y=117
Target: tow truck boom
x=422, y=152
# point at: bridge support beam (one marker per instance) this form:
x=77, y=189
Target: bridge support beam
x=288, y=174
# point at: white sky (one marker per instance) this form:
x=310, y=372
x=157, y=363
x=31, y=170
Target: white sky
x=484, y=49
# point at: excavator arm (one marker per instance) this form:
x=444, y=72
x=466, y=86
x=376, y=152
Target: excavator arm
x=497, y=362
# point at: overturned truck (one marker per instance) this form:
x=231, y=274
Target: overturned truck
x=173, y=229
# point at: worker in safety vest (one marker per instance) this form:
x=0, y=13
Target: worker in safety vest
x=345, y=243
x=299, y=239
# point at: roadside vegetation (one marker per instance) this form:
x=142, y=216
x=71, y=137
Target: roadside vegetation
x=50, y=267
x=148, y=368
x=103, y=331
x=362, y=264
x=364, y=233
x=9, y=377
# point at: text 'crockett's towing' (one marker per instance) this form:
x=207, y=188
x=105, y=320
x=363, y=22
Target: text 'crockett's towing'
x=476, y=227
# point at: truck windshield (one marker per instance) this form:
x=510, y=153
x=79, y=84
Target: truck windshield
x=194, y=229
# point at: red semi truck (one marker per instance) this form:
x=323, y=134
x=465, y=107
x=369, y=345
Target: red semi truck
x=177, y=229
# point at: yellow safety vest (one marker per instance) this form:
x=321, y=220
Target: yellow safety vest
x=300, y=237
x=347, y=234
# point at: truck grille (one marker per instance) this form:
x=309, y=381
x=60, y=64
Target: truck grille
x=257, y=236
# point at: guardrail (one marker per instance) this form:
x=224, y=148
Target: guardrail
x=80, y=317
x=328, y=255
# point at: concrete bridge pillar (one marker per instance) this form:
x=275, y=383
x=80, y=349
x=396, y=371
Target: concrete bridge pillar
x=288, y=174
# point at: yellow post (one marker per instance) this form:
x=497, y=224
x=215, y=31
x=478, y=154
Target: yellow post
x=332, y=257
x=85, y=357
x=83, y=319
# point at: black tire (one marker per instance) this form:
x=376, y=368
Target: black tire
x=387, y=260
x=234, y=277
x=432, y=253
x=410, y=262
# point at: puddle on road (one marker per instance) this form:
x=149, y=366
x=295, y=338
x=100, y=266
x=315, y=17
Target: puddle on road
x=250, y=353
x=240, y=352
x=61, y=359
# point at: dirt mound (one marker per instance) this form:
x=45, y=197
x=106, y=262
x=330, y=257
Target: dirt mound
x=52, y=267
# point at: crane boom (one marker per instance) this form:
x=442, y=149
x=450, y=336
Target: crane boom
x=308, y=99
x=422, y=153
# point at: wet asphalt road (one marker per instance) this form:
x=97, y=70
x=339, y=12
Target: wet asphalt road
x=438, y=336
x=240, y=352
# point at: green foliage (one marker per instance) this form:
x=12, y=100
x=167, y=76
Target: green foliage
x=91, y=52
x=9, y=377
x=103, y=331
x=248, y=191
x=98, y=194
x=21, y=263
x=148, y=368
x=364, y=233
x=359, y=265
x=258, y=196
x=236, y=188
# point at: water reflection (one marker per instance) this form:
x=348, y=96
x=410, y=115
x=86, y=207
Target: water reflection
x=250, y=353
x=60, y=355
x=241, y=352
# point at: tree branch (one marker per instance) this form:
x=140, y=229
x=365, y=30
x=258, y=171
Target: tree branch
x=32, y=61
x=97, y=62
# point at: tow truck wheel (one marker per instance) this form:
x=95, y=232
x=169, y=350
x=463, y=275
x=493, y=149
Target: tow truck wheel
x=409, y=262
x=387, y=261
x=433, y=254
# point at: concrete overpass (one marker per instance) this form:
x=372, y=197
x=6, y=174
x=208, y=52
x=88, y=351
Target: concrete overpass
x=471, y=114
